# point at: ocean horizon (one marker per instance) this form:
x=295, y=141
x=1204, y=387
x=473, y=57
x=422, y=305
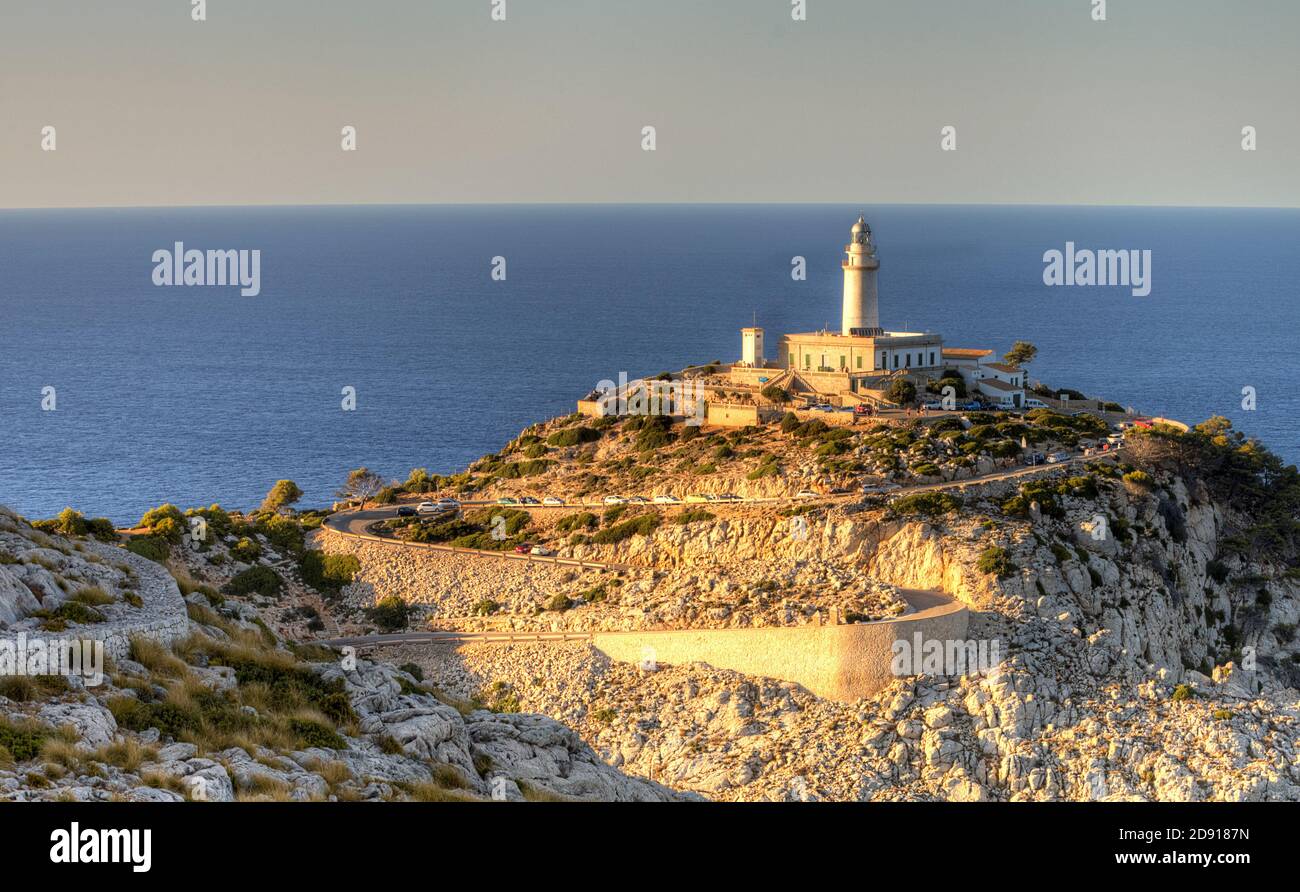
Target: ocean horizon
x=196, y=395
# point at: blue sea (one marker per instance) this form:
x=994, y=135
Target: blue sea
x=197, y=395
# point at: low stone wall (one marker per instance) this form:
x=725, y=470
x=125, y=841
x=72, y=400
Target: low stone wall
x=731, y=415
x=162, y=615
x=838, y=662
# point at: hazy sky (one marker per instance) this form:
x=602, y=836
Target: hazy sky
x=152, y=108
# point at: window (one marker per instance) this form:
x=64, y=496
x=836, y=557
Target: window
x=909, y=360
x=931, y=357
x=792, y=360
x=859, y=362
x=895, y=360
x=843, y=363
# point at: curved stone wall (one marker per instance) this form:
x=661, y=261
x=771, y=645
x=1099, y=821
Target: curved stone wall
x=840, y=662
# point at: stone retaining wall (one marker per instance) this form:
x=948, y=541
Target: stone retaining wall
x=840, y=662
x=161, y=617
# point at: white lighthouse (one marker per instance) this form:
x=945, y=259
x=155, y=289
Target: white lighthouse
x=861, y=313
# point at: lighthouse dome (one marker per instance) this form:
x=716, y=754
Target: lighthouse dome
x=860, y=226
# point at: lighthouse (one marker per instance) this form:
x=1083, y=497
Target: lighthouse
x=861, y=314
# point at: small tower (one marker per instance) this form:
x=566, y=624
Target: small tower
x=751, y=347
x=861, y=313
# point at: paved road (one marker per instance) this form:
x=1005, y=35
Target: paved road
x=354, y=523
x=923, y=603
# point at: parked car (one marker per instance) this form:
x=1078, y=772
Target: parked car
x=728, y=497
x=1035, y=404
x=638, y=500
x=406, y=511
x=806, y=494
x=696, y=497
x=506, y=500
x=542, y=550
x=667, y=500
x=932, y=405
x=1035, y=458
x=427, y=508
x=529, y=500
x=552, y=501
x=447, y=503
x=615, y=500
x=524, y=548
x=862, y=410
x=1057, y=458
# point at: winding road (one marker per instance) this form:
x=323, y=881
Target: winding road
x=924, y=604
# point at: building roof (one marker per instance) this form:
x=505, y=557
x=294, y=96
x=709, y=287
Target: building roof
x=888, y=339
x=998, y=385
x=1003, y=367
x=965, y=352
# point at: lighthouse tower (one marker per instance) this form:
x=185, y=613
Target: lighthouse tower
x=861, y=314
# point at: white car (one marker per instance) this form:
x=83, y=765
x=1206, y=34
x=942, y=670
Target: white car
x=552, y=501
x=427, y=508
x=541, y=550
x=696, y=498
x=447, y=503
x=1035, y=404
x=806, y=494
x=615, y=500
x=638, y=500
x=667, y=500
x=1058, y=457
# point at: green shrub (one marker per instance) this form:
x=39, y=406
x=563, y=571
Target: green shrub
x=391, y=614
x=165, y=521
x=995, y=560
x=23, y=738
x=573, y=436
x=637, y=526
x=256, y=579
x=151, y=547
x=285, y=533
x=571, y=522
x=329, y=572
x=693, y=516
x=1140, y=479
x=70, y=612
x=246, y=550
x=559, y=603
x=929, y=504
x=314, y=734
